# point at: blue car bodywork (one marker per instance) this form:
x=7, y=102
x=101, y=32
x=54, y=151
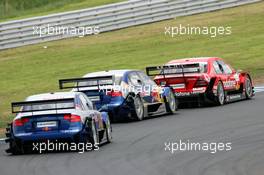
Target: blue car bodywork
x=64, y=117
x=118, y=104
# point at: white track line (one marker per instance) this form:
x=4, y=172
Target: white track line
x=259, y=89
x=2, y=140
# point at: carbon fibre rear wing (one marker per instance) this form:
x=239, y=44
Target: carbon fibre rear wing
x=85, y=82
x=43, y=105
x=173, y=69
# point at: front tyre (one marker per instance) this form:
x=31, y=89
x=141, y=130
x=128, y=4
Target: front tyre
x=220, y=98
x=248, y=88
x=171, y=104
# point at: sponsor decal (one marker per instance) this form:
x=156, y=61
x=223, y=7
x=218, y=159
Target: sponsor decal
x=181, y=94
x=199, y=90
x=46, y=124
x=233, y=97
x=178, y=86
x=236, y=76
x=229, y=84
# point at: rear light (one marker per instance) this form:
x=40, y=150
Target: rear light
x=201, y=83
x=114, y=93
x=67, y=117
x=75, y=118
x=72, y=118
x=21, y=122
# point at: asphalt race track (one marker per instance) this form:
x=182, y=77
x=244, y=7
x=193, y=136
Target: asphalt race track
x=138, y=147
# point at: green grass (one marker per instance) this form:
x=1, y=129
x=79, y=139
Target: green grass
x=34, y=69
x=18, y=9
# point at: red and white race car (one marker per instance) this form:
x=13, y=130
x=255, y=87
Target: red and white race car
x=204, y=80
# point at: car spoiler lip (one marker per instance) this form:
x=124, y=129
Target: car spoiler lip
x=84, y=79
x=21, y=104
x=163, y=67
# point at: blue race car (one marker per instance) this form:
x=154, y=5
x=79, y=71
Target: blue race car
x=62, y=116
x=124, y=94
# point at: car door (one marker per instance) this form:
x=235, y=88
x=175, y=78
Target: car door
x=230, y=84
x=234, y=77
x=220, y=74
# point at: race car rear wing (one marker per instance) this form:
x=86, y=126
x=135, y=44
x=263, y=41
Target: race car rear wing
x=173, y=69
x=43, y=105
x=85, y=82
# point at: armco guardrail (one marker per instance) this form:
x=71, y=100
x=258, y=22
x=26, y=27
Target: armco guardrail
x=109, y=17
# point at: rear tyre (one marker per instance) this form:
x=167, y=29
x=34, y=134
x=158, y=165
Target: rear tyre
x=139, y=108
x=220, y=98
x=248, y=88
x=14, y=147
x=108, y=130
x=171, y=103
x=93, y=134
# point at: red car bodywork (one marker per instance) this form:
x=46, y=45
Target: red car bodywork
x=199, y=77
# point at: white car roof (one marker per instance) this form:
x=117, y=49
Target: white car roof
x=107, y=73
x=51, y=96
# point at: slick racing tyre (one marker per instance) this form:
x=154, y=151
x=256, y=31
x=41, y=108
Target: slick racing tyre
x=108, y=130
x=171, y=103
x=220, y=98
x=93, y=134
x=248, y=88
x=139, y=108
x=14, y=147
